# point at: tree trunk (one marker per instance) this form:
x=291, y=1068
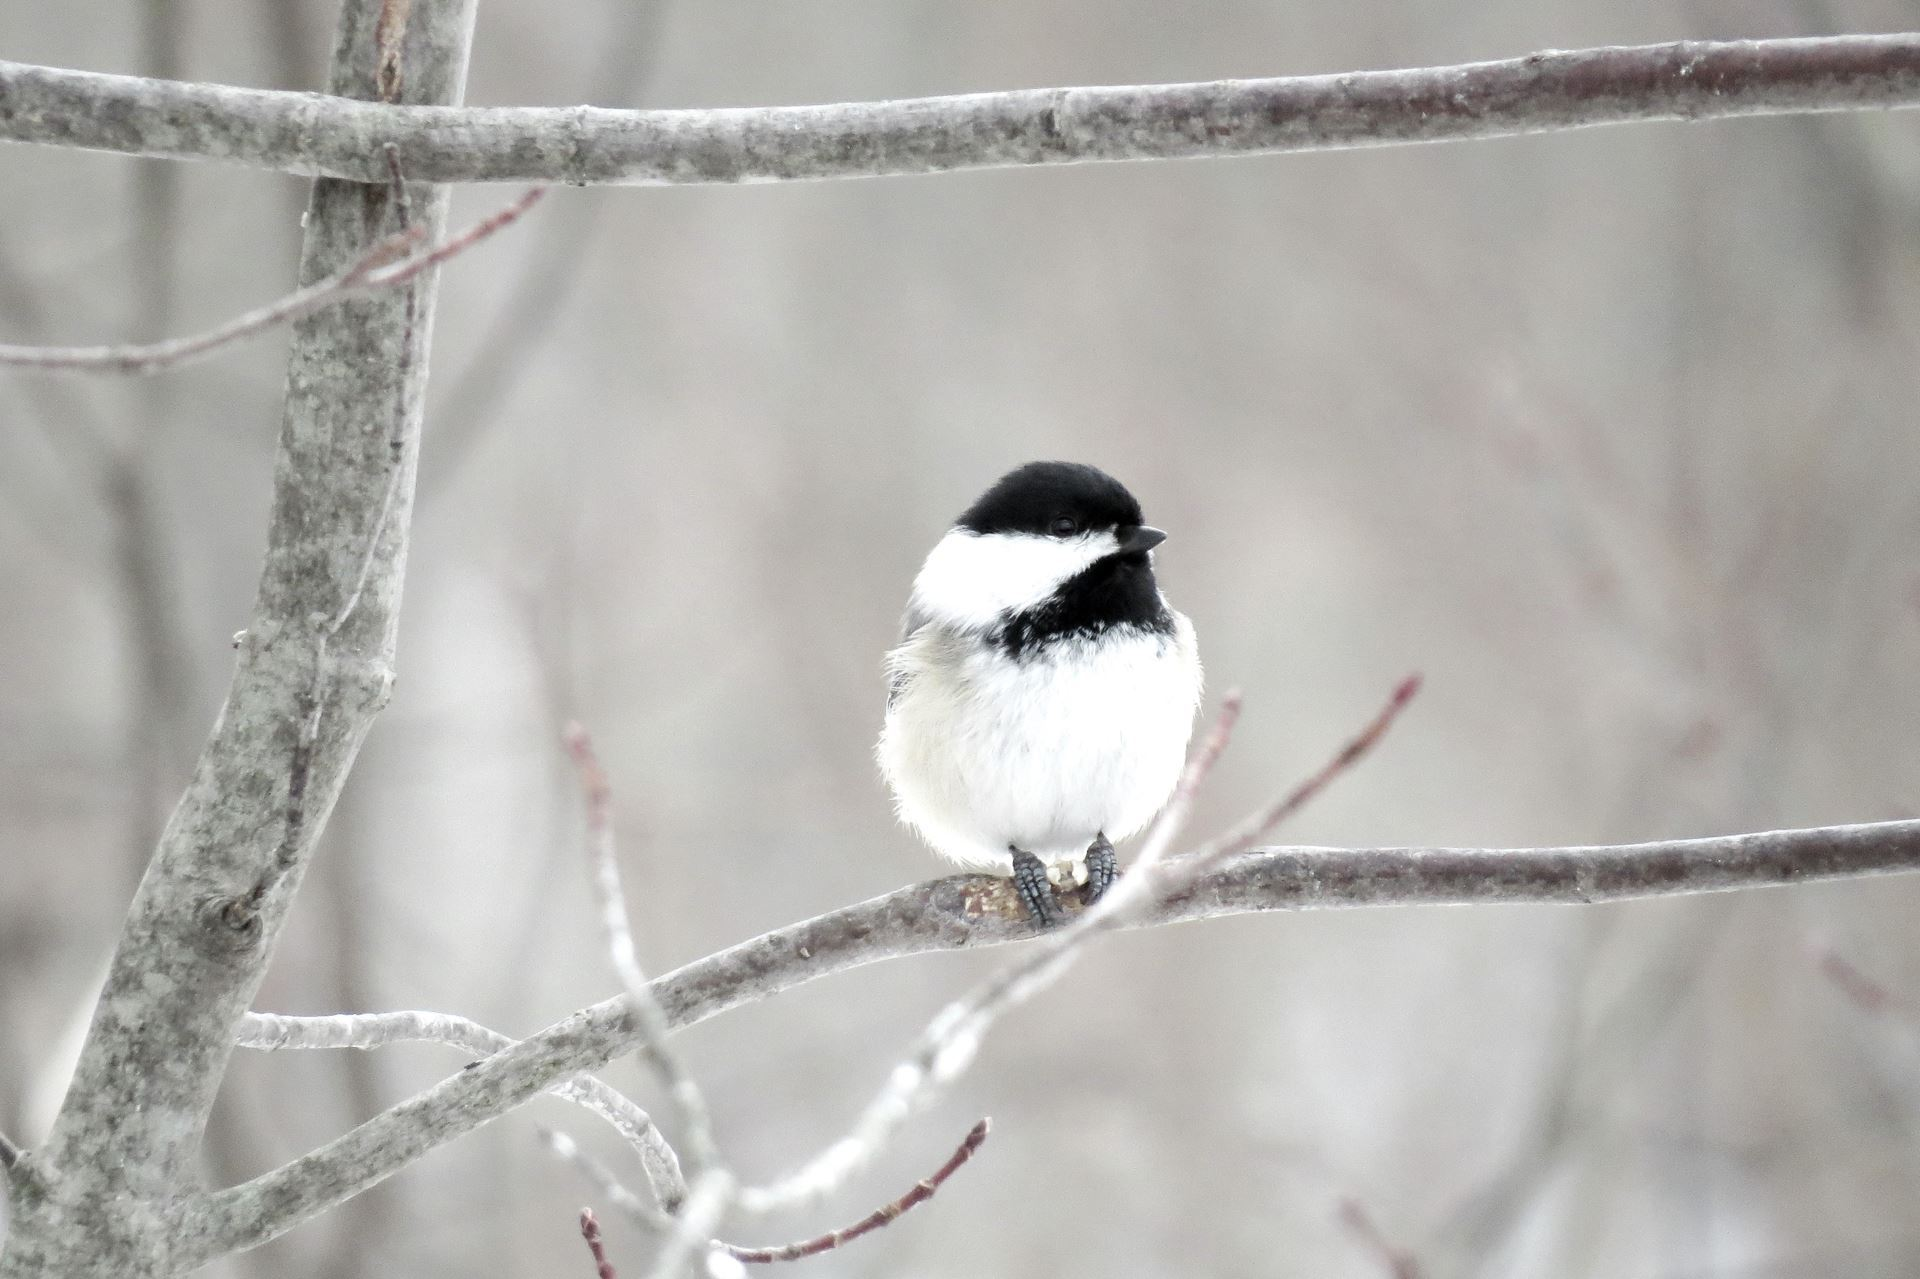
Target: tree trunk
x=115, y=1191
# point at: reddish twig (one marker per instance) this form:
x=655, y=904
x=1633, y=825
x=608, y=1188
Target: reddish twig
x=886, y=1214
x=390, y=262
x=1398, y=1262
x=590, y=1231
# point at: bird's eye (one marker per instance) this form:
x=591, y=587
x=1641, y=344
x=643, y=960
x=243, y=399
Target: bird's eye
x=1064, y=526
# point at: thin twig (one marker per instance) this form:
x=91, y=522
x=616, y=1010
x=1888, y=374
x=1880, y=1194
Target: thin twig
x=10, y=1154
x=696, y=1120
x=590, y=1231
x=1540, y=93
x=366, y=1031
x=949, y=1044
x=390, y=262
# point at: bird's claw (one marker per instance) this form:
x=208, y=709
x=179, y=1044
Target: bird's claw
x=1035, y=889
x=1102, y=870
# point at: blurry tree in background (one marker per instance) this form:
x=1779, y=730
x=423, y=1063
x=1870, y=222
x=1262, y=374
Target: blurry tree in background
x=1610, y=433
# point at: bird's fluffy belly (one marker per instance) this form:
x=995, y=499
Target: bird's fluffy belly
x=1042, y=753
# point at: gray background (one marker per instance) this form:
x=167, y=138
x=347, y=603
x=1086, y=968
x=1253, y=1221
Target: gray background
x=1610, y=434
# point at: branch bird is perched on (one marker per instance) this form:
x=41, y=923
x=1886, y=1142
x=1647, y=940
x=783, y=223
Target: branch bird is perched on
x=1042, y=696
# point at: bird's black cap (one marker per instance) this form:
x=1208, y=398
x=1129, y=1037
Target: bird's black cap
x=1034, y=499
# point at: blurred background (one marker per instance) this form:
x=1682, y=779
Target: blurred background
x=1611, y=434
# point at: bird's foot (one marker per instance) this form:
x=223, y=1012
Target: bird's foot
x=1102, y=870
x=1035, y=889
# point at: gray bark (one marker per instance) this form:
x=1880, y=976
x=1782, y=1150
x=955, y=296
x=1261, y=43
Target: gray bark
x=315, y=135
x=107, y=1193
x=970, y=911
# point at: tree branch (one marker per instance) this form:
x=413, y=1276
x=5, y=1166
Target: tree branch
x=965, y=911
x=1541, y=93
x=392, y=261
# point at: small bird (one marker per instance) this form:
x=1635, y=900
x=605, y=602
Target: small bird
x=1041, y=698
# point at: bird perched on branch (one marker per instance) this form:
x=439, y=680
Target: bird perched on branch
x=1042, y=695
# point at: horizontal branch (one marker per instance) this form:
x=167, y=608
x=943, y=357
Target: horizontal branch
x=973, y=910
x=317, y=135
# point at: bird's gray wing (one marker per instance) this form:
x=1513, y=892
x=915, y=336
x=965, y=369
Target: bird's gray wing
x=898, y=678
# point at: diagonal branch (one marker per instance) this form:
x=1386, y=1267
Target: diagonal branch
x=965, y=911
x=393, y=261
x=1540, y=93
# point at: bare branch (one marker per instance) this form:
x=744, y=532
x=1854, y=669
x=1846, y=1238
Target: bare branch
x=10, y=1154
x=688, y=1102
x=270, y=1032
x=967, y=911
x=1541, y=93
x=389, y=263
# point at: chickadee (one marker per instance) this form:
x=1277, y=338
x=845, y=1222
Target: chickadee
x=1041, y=698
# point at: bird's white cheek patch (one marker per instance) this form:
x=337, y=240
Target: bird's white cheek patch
x=971, y=579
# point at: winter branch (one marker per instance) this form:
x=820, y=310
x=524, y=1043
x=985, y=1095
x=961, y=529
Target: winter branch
x=966, y=911
x=318, y=135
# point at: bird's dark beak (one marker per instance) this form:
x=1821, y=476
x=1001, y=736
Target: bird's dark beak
x=1139, y=538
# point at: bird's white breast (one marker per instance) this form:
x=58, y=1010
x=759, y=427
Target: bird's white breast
x=1043, y=752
